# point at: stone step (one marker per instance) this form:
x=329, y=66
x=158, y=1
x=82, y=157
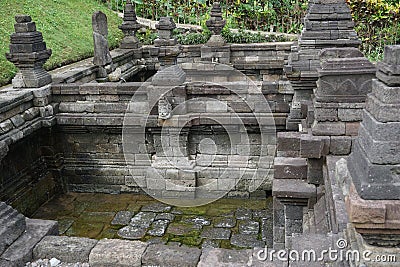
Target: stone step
x=12, y=225
x=20, y=251
x=290, y=168
x=293, y=188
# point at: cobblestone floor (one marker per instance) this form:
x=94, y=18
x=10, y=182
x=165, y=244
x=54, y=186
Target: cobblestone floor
x=226, y=223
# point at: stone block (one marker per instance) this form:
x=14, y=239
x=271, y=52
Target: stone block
x=294, y=212
x=310, y=146
x=352, y=128
x=114, y=252
x=350, y=114
x=290, y=168
x=288, y=141
x=340, y=145
x=377, y=151
x=326, y=114
x=328, y=128
x=67, y=249
x=364, y=175
x=20, y=252
x=163, y=255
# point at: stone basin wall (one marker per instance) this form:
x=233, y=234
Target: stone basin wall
x=67, y=135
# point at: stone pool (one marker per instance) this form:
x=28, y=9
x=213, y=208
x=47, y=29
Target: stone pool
x=225, y=223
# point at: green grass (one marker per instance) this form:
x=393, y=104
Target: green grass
x=66, y=26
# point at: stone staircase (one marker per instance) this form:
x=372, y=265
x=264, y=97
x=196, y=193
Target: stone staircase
x=19, y=235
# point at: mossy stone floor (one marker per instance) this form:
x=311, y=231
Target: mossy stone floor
x=226, y=223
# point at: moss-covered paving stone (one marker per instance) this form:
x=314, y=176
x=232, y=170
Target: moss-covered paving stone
x=183, y=229
x=90, y=230
x=225, y=223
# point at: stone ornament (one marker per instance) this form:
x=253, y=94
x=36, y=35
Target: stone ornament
x=164, y=109
x=28, y=53
x=216, y=23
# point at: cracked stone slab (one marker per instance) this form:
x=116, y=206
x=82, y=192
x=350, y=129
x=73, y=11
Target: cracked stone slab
x=64, y=248
x=156, y=207
x=132, y=232
x=249, y=227
x=216, y=233
x=122, y=218
x=115, y=252
x=164, y=255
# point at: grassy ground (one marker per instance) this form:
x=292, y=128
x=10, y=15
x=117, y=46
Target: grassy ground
x=66, y=26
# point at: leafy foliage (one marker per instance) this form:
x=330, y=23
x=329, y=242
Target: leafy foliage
x=66, y=26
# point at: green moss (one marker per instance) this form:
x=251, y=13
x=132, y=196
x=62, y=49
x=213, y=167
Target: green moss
x=66, y=26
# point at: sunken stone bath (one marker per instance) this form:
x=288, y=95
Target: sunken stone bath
x=202, y=155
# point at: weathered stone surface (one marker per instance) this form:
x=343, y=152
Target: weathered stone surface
x=102, y=54
x=243, y=214
x=122, y=218
x=132, y=232
x=158, y=227
x=290, y=168
x=248, y=227
x=156, y=207
x=375, y=159
x=165, y=216
x=340, y=145
x=224, y=258
x=142, y=219
x=163, y=255
x=114, y=252
x=129, y=27
x=216, y=233
x=28, y=52
x=66, y=249
x=224, y=222
x=292, y=189
x=197, y=220
x=11, y=227
x=20, y=251
x=246, y=241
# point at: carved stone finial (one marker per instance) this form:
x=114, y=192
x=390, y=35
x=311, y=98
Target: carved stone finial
x=28, y=53
x=129, y=27
x=216, y=23
x=169, y=47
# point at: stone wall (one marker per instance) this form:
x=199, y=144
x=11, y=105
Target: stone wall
x=70, y=131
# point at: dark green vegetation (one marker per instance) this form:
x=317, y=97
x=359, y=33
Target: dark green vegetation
x=66, y=26
x=377, y=21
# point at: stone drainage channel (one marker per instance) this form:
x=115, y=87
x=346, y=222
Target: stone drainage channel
x=226, y=223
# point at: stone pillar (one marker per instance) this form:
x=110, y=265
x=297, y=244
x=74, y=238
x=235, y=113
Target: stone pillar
x=345, y=79
x=216, y=50
x=28, y=53
x=326, y=24
x=129, y=27
x=102, y=56
x=375, y=161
